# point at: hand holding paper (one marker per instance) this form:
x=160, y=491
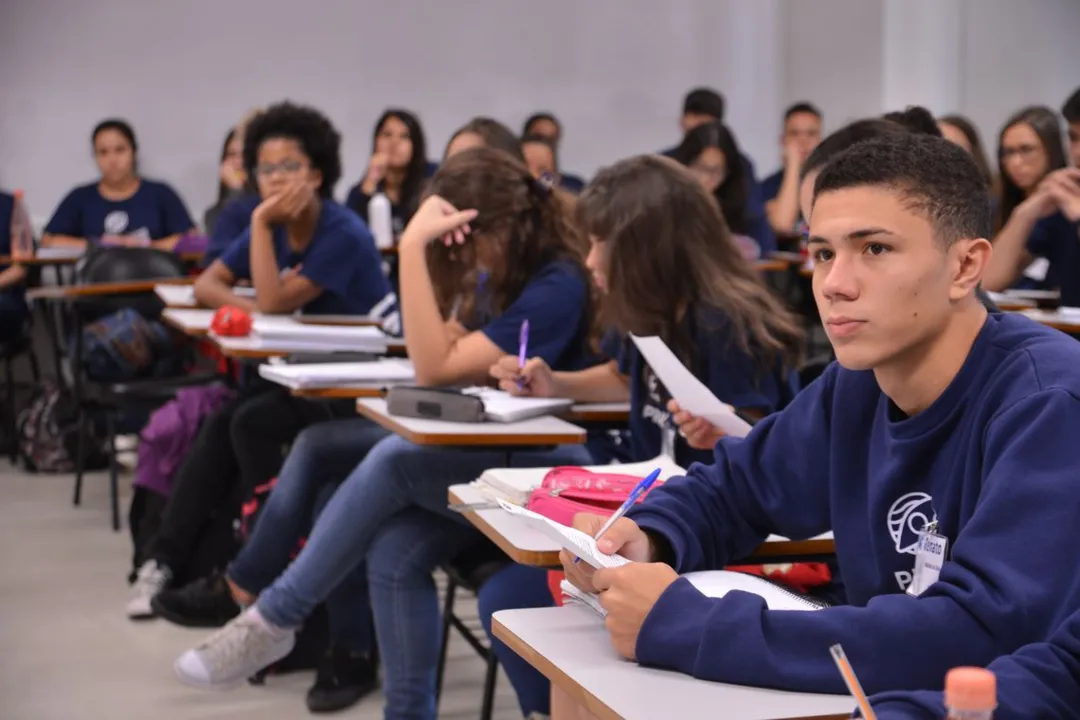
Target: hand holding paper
x=690, y=393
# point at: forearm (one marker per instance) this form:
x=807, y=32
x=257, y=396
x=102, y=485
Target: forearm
x=427, y=342
x=12, y=276
x=210, y=292
x=265, y=273
x=783, y=210
x=167, y=244
x=601, y=383
x=51, y=240
x=1010, y=252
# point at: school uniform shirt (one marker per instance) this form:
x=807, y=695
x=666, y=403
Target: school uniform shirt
x=154, y=212
x=16, y=295
x=1058, y=240
x=732, y=375
x=231, y=222
x=555, y=302
x=770, y=189
x=571, y=183
x=993, y=461
x=1041, y=680
x=210, y=216
x=357, y=200
x=341, y=259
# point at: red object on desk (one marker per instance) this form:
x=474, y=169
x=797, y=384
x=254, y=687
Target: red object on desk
x=231, y=321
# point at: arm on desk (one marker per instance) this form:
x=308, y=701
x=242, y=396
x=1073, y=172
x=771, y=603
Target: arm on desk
x=168, y=244
x=213, y=288
x=783, y=210
x=54, y=240
x=600, y=383
x=1010, y=254
x=997, y=591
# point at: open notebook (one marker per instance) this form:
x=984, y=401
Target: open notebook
x=501, y=406
x=714, y=583
x=327, y=375
x=515, y=484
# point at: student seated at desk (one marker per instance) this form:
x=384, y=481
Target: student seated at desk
x=547, y=126
x=667, y=266
x=398, y=169
x=232, y=180
x=302, y=251
x=938, y=418
x=710, y=151
x=13, y=307
x=334, y=270
x=1040, y=680
x=1040, y=209
x=392, y=505
x=780, y=191
x=121, y=208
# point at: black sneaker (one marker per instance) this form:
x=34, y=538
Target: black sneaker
x=341, y=680
x=204, y=603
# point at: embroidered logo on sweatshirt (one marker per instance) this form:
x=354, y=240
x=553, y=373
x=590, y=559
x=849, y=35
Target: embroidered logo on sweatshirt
x=907, y=518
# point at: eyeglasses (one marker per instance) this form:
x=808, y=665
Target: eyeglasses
x=1022, y=151
x=288, y=167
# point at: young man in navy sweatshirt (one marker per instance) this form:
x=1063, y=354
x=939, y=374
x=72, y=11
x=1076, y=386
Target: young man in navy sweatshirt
x=938, y=418
x=1041, y=680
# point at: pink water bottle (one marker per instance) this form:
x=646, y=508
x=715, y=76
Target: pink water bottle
x=22, y=234
x=970, y=694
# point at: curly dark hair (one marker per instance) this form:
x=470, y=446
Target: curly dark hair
x=317, y=136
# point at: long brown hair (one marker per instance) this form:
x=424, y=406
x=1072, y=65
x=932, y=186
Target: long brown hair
x=523, y=222
x=1047, y=127
x=672, y=249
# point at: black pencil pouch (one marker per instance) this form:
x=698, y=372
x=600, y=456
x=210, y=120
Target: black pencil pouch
x=428, y=403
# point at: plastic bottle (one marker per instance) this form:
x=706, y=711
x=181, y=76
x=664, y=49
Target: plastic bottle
x=380, y=221
x=970, y=694
x=22, y=234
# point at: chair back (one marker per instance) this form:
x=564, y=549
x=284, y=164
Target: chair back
x=125, y=264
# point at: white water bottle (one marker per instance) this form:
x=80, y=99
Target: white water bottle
x=380, y=220
x=22, y=234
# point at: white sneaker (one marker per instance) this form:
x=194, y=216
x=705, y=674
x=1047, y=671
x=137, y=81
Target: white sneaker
x=235, y=652
x=152, y=579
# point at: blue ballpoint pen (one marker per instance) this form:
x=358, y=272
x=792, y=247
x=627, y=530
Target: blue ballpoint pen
x=632, y=498
x=523, y=352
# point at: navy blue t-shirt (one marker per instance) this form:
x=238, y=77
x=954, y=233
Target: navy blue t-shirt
x=992, y=461
x=733, y=376
x=232, y=221
x=155, y=211
x=341, y=259
x=1058, y=240
x=7, y=209
x=571, y=183
x=555, y=302
x=770, y=186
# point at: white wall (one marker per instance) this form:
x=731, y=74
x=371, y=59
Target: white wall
x=613, y=70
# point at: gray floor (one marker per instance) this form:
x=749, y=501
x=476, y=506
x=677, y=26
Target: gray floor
x=67, y=651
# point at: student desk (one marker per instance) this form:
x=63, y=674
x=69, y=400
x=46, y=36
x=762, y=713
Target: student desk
x=570, y=647
x=1066, y=322
x=773, y=265
x=541, y=431
x=527, y=546
x=130, y=287
x=617, y=412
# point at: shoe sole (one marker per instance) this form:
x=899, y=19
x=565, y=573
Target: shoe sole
x=184, y=621
x=228, y=685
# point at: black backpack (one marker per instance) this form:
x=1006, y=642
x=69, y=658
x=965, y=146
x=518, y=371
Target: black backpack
x=48, y=434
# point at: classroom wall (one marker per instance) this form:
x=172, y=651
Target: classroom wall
x=613, y=70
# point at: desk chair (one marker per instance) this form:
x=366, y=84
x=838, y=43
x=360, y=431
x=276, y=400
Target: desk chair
x=95, y=397
x=20, y=346
x=470, y=570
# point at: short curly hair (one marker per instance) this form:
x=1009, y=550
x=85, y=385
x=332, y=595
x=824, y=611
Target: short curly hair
x=317, y=136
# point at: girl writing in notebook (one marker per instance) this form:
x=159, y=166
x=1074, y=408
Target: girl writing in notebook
x=667, y=265
x=121, y=207
x=487, y=217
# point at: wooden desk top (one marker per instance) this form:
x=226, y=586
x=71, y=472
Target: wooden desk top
x=773, y=265
x=600, y=413
x=130, y=287
x=348, y=392
x=570, y=647
x=39, y=260
x=541, y=431
x=339, y=320
x=526, y=546
x=193, y=322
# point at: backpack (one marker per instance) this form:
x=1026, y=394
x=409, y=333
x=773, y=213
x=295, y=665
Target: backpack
x=48, y=435
x=314, y=638
x=124, y=345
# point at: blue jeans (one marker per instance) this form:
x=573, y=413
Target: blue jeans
x=320, y=459
x=513, y=588
x=395, y=476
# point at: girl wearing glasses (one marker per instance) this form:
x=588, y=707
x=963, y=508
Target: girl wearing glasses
x=712, y=155
x=302, y=250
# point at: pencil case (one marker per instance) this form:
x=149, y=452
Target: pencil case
x=434, y=404
x=568, y=491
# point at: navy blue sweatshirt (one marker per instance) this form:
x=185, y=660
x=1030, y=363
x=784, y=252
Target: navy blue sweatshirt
x=994, y=459
x=1041, y=680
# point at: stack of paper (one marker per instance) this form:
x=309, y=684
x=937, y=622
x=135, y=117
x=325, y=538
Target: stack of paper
x=691, y=394
x=516, y=484
x=325, y=375
x=577, y=542
x=269, y=329
x=501, y=406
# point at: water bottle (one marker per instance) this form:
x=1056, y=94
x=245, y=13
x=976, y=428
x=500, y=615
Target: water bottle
x=22, y=234
x=380, y=221
x=970, y=694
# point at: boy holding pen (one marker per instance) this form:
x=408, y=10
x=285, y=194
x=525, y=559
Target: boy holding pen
x=940, y=449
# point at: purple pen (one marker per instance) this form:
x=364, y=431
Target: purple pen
x=523, y=352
